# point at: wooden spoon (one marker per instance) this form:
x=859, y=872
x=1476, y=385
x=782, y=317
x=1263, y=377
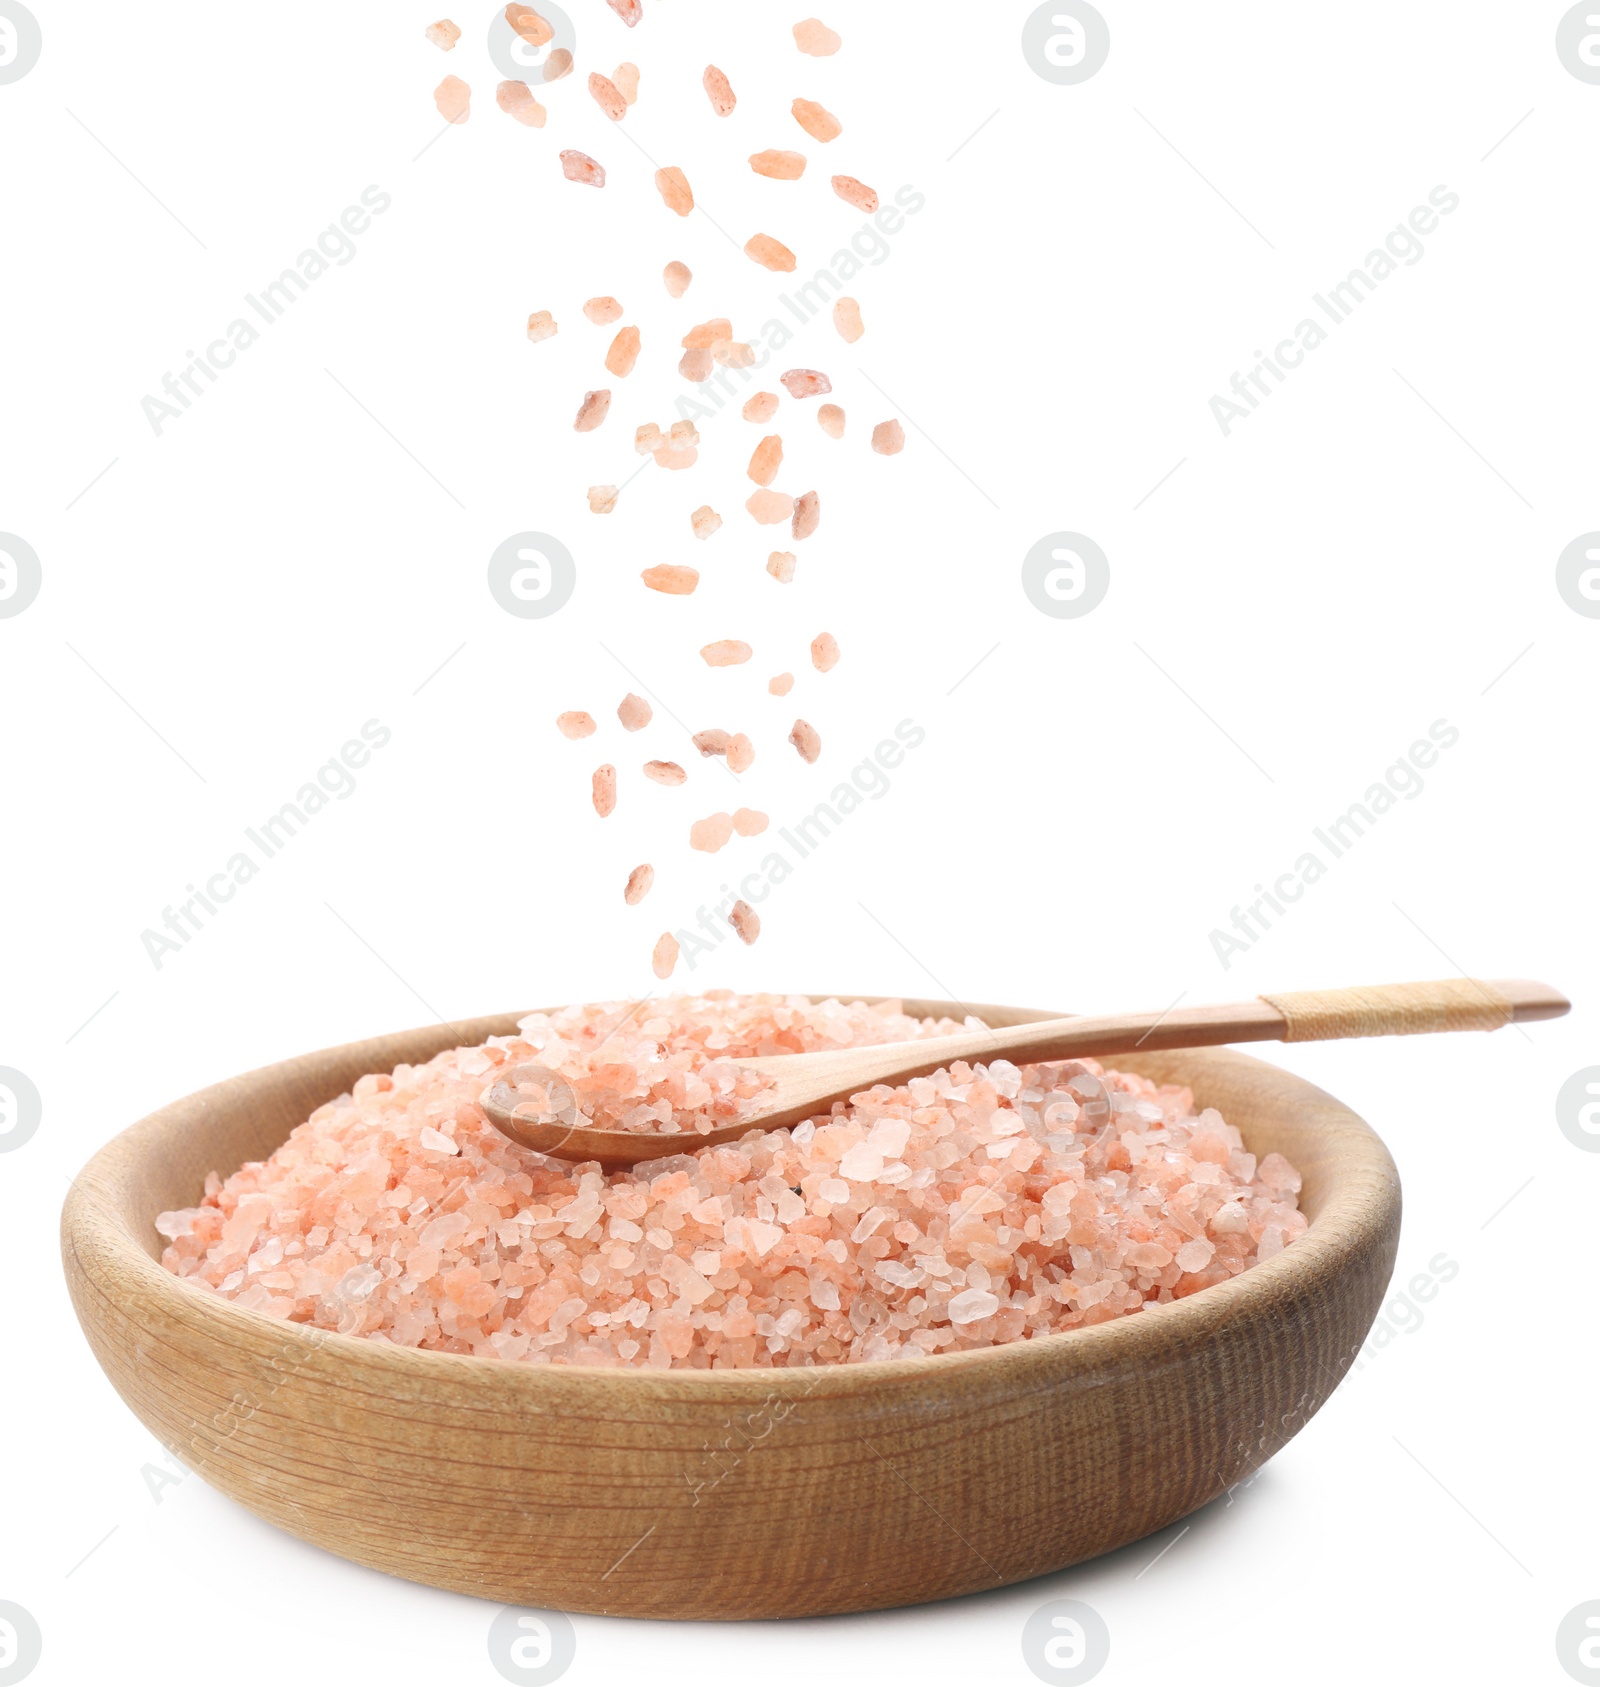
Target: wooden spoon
x=545, y=1116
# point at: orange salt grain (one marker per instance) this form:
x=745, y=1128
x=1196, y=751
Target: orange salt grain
x=830, y=418
x=805, y=740
x=746, y=921
x=673, y=186
x=719, y=91
x=576, y=723
x=602, y=310
x=824, y=652
x=602, y=499
x=592, y=412
x=626, y=78
x=780, y=565
x=648, y=439
x=888, y=438
x=761, y=407
x=516, y=100
x=541, y=325
x=580, y=167
x=780, y=685
x=634, y=713
x=559, y=64
x=608, y=96
x=806, y=383
x=734, y=354
x=695, y=364
x=704, y=335
x=769, y=253
x=705, y=521
x=630, y=11
x=603, y=790
x=443, y=34
x=725, y=653
x=670, y=578
x=683, y=433
x=670, y=458
x=749, y=822
x=779, y=166
x=847, y=320
x=812, y=35
x=676, y=277
x=856, y=193
x=713, y=741
x=816, y=120
x=765, y=460
x=453, y=99
x=710, y=834
x=664, y=772
x=769, y=507
x=639, y=883
x=664, y=957
x=807, y=513
x=741, y=752
x=528, y=24
x=624, y=352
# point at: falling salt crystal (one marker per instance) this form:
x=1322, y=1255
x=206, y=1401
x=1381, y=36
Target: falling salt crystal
x=639, y=883
x=746, y=921
x=579, y=166
x=741, y=753
x=856, y=193
x=453, y=99
x=516, y=100
x=770, y=253
x=806, y=383
x=780, y=565
x=443, y=34
x=807, y=513
x=749, y=822
x=557, y=65
x=593, y=411
x=711, y=833
x=602, y=310
x=677, y=277
x=634, y=713
x=760, y=407
x=529, y=25
x=847, y=320
x=780, y=685
x=576, y=723
x=705, y=521
x=664, y=772
x=725, y=653
x=816, y=120
x=630, y=11
x=830, y=418
x=805, y=739
x=603, y=790
x=696, y=365
x=623, y=352
x=779, y=166
x=541, y=325
x=718, y=90
x=813, y=36
x=889, y=438
x=668, y=577
x=673, y=186
x=824, y=652
x=713, y=741
x=608, y=96
x=769, y=507
x=765, y=460
x=665, y=955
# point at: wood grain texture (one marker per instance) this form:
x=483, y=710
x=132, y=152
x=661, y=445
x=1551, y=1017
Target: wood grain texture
x=727, y=1494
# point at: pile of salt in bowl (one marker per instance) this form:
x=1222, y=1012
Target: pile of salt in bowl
x=967, y=1208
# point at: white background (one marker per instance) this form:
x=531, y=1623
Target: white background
x=1373, y=550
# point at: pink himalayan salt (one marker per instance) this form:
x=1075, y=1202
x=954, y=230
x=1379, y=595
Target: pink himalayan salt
x=684, y=433
x=557, y=65
x=670, y=578
x=719, y=91
x=780, y=565
x=807, y=513
x=704, y=522
x=711, y=833
x=705, y=335
x=634, y=713
x=602, y=499
x=760, y=407
x=856, y=193
x=824, y=652
x=817, y=122
x=805, y=739
x=593, y=411
x=673, y=186
x=779, y=166
x=676, y=278
x=603, y=790
x=623, y=352
x=648, y=438
x=769, y=507
x=443, y=34
x=725, y=653
x=713, y=741
x=579, y=166
x=889, y=438
x=695, y=364
x=812, y=35
x=516, y=100
x=608, y=96
x=453, y=99
x=780, y=685
x=639, y=883
x=663, y=958
x=671, y=458
x=541, y=326
x=664, y=772
x=575, y=723
x=630, y=11
x=602, y=310
x=769, y=253
x=765, y=460
x=528, y=24
x=734, y=354
x=746, y=921
x=741, y=753
x=879, y=1232
x=626, y=78
x=749, y=822
x=847, y=320
x=830, y=418
x=806, y=383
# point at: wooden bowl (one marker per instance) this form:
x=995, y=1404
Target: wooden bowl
x=739, y=1493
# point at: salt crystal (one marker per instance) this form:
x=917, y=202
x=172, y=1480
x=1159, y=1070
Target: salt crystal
x=608, y=96
x=734, y=354
x=806, y=383
x=780, y=565
x=780, y=685
x=741, y=753
x=779, y=166
x=630, y=11
x=749, y=822
x=830, y=418
x=847, y=320
x=769, y=507
x=760, y=407
x=704, y=521
x=541, y=325
x=664, y=772
x=725, y=653
x=706, y=334
x=634, y=713
x=648, y=438
x=665, y=955
x=437, y=1141
x=813, y=36
x=453, y=99
x=971, y=1305
x=684, y=433
x=695, y=364
x=856, y=193
x=765, y=460
x=673, y=186
x=672, y=579
x=576, y=723
x=711, y=833
x=805, y=739
x=626, y=77
x=602, y=310
x=639, y=883
x=718, y=90
x=746, y=921
x=861, y=1164
x=592, y=412
x=623, y=352
x=770, y=253
x=807, y=513
x=516, y=100
x=579, y=166
x=443, y=34
x=1195, y=1255
x=603, y=790
x=528, y=24
x=889, y=438
x=713, y=741
x=557, y=65
x=824, y=652
x=817, y=122
x=676, y=277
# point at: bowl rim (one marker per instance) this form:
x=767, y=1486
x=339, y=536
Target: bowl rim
x=94, y=1214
